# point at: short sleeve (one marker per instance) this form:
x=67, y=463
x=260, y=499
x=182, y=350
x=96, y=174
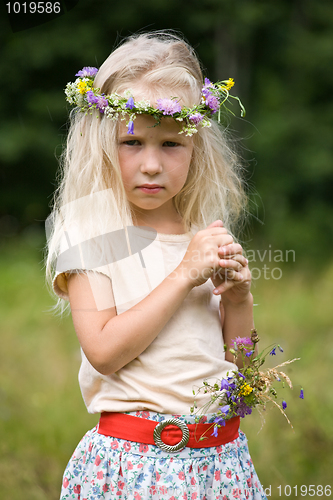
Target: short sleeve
x=60, y=285
x=77, y=255
x=60, y=281
x=132, y=258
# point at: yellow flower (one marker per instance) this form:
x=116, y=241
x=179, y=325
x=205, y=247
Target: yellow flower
x=245, y=390
x=230, y=83
x=83, y=87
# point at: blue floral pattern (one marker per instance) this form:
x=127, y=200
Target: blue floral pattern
x=104, y=467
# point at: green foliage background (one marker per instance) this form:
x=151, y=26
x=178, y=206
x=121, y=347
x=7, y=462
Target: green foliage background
x=280, y=55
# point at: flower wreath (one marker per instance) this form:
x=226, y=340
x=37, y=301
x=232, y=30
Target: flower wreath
x=214, y=97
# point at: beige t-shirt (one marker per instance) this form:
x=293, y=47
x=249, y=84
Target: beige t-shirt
x=188, y=350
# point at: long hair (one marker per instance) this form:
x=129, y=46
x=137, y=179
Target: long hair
x=166, y=66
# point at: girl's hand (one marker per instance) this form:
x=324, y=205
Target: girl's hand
x=202, y=259
x=234, y=279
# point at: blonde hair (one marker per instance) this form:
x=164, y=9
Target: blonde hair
x=166, y=66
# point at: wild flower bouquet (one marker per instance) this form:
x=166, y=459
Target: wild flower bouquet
x=247, y=388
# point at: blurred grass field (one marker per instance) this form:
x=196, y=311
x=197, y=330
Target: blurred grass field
x=42, y=415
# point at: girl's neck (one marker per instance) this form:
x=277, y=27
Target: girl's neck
x=162, y=225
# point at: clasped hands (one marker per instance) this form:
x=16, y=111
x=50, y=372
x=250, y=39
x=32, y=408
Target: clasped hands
x=233, y=279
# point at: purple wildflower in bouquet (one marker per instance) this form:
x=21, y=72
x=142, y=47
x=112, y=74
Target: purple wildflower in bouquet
x=246, y=388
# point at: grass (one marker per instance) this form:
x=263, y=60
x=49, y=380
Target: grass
x=297, y=313
x=42, y=415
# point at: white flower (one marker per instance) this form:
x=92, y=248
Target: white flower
x=80, y=100
x=71, y=93
x=206, y=123
x=143, y=105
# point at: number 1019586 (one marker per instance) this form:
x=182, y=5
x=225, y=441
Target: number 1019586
x=305, y=490
x=33, y=7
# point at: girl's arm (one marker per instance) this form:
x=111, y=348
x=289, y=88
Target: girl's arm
x=236, y=307
x=238, y=322
x=110, y=341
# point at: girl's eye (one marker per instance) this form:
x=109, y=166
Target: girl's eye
x=170, y=144
x=133, y=142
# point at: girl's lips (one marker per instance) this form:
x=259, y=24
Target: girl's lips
x=153, y=189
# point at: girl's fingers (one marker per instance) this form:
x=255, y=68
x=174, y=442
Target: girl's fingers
x=231, y=274
x=228, y=283
x=234, y=275
x=236, y=257
x=223, y=287
x=236, y=264
x=230, y=250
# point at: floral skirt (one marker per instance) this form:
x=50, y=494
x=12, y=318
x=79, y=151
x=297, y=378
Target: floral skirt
x=104, y=467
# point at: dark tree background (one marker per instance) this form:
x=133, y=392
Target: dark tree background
x=280, y=55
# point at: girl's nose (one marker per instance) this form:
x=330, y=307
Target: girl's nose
x=151, y=162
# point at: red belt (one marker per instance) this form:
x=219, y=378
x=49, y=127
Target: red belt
x=170, y=435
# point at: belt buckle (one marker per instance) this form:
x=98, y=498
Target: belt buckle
x=166, y=447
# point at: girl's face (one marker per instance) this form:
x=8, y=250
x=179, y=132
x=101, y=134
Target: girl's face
x=154, y=164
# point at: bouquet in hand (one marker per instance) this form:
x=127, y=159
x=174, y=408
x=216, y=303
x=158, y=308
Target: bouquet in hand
x=247, y=388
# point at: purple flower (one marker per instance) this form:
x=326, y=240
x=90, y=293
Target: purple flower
x=241, y=375
x=284, y=405
x=130, y=103
x=248, y=354
x=224, y=385
x=211, y=100
x=213, y=103
x=280, y=348
x=219, y=421
x=205, y=88
x=225, y=409
x=87, y=71
x=215, y=431
x=243, y=409
x=196, y=118
x=232, y=385
x=243, y=341
x=273, y=353
x=91, y=98
x=100, y=101
x=168, y=106
x=130, y=129
x=301, y=394
x=229, y=387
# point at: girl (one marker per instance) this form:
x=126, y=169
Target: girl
x=151, y=274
